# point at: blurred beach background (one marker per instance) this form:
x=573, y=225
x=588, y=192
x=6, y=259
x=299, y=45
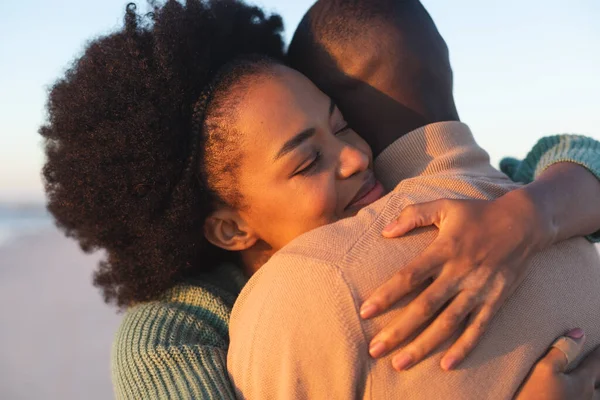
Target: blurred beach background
x=522, y=70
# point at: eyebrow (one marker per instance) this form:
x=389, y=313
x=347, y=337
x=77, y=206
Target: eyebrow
x=295, y=142
x=301, y=137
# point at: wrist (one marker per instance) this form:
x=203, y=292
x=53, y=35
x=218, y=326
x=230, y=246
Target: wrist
x=529, y=204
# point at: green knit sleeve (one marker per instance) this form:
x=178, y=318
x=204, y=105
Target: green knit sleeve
x=550, y=150
x=184, y=372
x=164, y=352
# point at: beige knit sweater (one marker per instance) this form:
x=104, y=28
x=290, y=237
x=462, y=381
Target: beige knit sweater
x=295, y=329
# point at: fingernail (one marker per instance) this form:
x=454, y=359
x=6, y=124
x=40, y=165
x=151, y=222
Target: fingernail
x=449, y=363
x=376, y=349
x=389, y=227
x=576, y=333
x=401, y=362
x=367, y=310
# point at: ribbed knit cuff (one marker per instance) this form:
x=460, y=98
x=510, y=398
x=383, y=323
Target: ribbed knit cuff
x=555, y=149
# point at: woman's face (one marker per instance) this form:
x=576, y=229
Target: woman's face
x=302, y=166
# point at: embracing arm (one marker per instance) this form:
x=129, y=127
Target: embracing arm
x=562, y=173
x=482, y=250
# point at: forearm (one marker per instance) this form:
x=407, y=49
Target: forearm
x=564, y=196
x=567, y=197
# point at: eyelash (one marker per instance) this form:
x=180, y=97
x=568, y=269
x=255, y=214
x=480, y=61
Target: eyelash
x=317, y=158
x=346, y=127
x=310, y=166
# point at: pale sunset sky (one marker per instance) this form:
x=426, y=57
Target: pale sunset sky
x=523, y=69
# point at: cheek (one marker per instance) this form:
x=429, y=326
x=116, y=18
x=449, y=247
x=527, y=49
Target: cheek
x=321, y=202
x=284, y=212
x=310, y=202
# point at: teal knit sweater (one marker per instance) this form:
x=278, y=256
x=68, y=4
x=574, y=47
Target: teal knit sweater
x=176, y=347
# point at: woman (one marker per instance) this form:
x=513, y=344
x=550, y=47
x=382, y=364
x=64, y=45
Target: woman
x=156, y=155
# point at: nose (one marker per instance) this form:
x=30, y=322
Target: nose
x=352, y=161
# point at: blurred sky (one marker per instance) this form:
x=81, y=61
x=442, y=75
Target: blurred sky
x=523, y=69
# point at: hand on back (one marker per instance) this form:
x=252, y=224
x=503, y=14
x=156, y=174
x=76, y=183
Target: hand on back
x=477, y=261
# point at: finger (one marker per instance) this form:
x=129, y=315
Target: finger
x=403, y=282
x=416, y=313
x=414, y=216
x=589, y=369
x=476, y=327
x=564, y=350
x=437, y=333
x=478, y=323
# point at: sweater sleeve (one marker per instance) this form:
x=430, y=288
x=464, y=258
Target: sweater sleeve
x=550, y=150
x=161, y=353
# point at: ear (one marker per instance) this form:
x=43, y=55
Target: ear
x=226, y=229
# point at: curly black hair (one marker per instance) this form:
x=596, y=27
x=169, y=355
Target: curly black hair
x=134, y=134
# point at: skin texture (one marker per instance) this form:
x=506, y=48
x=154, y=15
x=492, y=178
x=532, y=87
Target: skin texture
x=312, y=185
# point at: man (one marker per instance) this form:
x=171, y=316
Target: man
x=296, y=331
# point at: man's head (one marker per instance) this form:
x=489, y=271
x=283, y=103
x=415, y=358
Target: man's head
x=382, y=61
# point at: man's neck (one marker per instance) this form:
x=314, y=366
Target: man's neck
x=255, y=257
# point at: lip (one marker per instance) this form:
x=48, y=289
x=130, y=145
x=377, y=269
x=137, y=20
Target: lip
x=370, y=191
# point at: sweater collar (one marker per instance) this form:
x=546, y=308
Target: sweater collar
x=438, y=148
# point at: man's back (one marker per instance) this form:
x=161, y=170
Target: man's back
x=295, y=330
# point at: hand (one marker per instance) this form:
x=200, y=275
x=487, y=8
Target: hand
x=549, y=381
x=477, y=261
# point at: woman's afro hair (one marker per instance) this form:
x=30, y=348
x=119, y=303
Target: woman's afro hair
x=119, y=136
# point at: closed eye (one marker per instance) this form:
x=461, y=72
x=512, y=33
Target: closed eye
x=310, y=167
x=344, y=128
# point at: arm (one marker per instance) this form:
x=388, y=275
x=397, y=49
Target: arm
x=481, y=253
x=574, y=208
x=567, y=196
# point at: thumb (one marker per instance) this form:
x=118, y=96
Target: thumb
x=564, y=351
x=412, y=217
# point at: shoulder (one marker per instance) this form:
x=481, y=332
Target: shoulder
x=302, y=308
x=184, y=333
x=331, y=243
x=288, y=273
x=290, y=294
x=316, y=262
x=181, y=315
